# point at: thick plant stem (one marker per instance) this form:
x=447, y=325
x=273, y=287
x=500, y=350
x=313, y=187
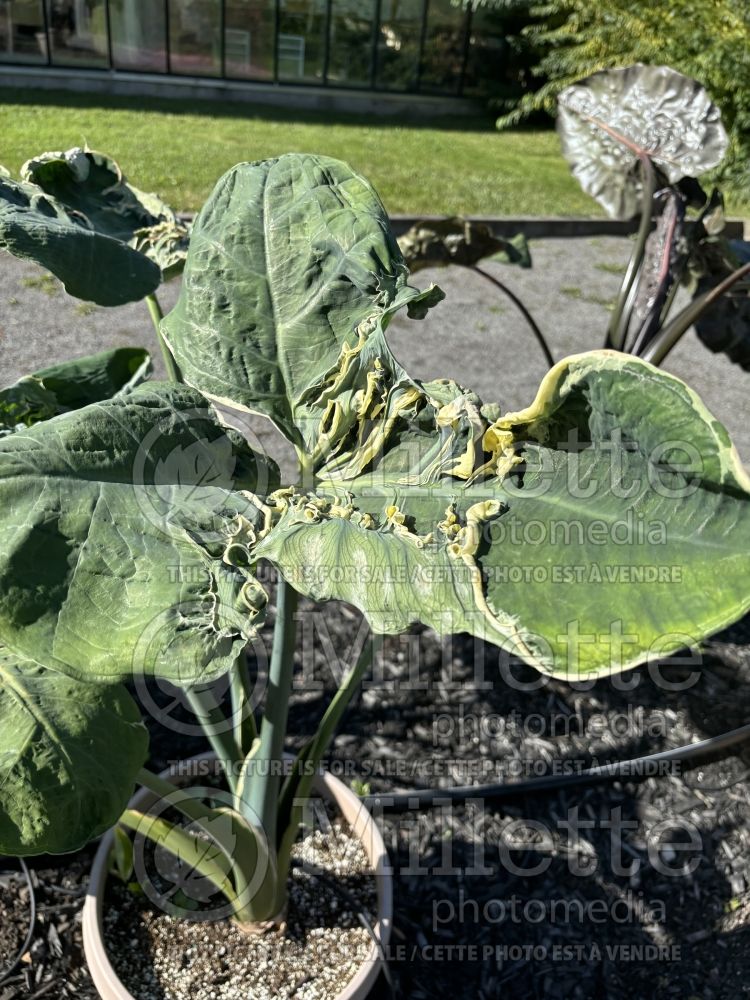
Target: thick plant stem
x=618, y=324
x=659, y=348
x=243, y=721
x=297, y=787
x=157, y=316
x=265, y=780
x=340, y=701
x=217, y=728
x=202, y=857
x=238, y=850
x=188, y=805
x=548, y=356
x=669, y=301
x=667, y=278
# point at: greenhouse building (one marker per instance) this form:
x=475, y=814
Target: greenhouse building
x=419, y=47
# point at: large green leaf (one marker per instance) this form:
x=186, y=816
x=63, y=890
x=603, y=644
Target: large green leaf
x=91, y=265
x=71, y=385
x=610, y=119
x=69, y=756
x=92, y=185
x=120, y=527
x=551, y=531
x=288, y=259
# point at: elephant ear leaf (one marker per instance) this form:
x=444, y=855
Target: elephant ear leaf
x=291, y=263
x=436, y=242
x=71, y=385
x=123, y=527
x=91, y=265
x=69, y=757
x=611, y=119
x=606, y=523
x=725, y=325
x=91, y=185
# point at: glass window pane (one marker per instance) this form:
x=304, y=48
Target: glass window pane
x=302, y=28
x=250, y=39
x=352, y=26
x=138, y=35
x=78, y=32
x=22, y=31
x=443, y=56
x=398, y=44
x=195, y=37
x=487, y=69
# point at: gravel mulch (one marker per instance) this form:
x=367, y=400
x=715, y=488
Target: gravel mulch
x=586, y=893
x=316, y=953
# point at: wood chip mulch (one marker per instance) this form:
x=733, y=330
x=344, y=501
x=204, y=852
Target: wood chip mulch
x=614, y=892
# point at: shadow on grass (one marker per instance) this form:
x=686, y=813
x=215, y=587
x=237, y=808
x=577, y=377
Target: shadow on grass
x=482, y=121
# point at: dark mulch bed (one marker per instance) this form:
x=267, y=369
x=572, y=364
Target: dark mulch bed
x=54, y=965
x=576, y=894
x=14, y=911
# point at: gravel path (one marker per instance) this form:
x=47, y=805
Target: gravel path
x=475, y=336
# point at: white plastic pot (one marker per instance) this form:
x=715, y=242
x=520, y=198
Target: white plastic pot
x=362, y=826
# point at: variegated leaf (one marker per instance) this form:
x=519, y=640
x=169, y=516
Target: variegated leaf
x=571, y=533
x=291, y=263
x=69, y=756
x=121, y=527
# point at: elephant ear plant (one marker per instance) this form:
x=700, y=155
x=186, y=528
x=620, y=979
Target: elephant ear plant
x=637, y=139
x=70, y=385
x=76, y=215
x=606, y=523
x=433, y=242
x=463, y=243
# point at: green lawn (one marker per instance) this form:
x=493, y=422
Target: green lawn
x=179, y=149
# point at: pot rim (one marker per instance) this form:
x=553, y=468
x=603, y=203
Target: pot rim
x=363, y=827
